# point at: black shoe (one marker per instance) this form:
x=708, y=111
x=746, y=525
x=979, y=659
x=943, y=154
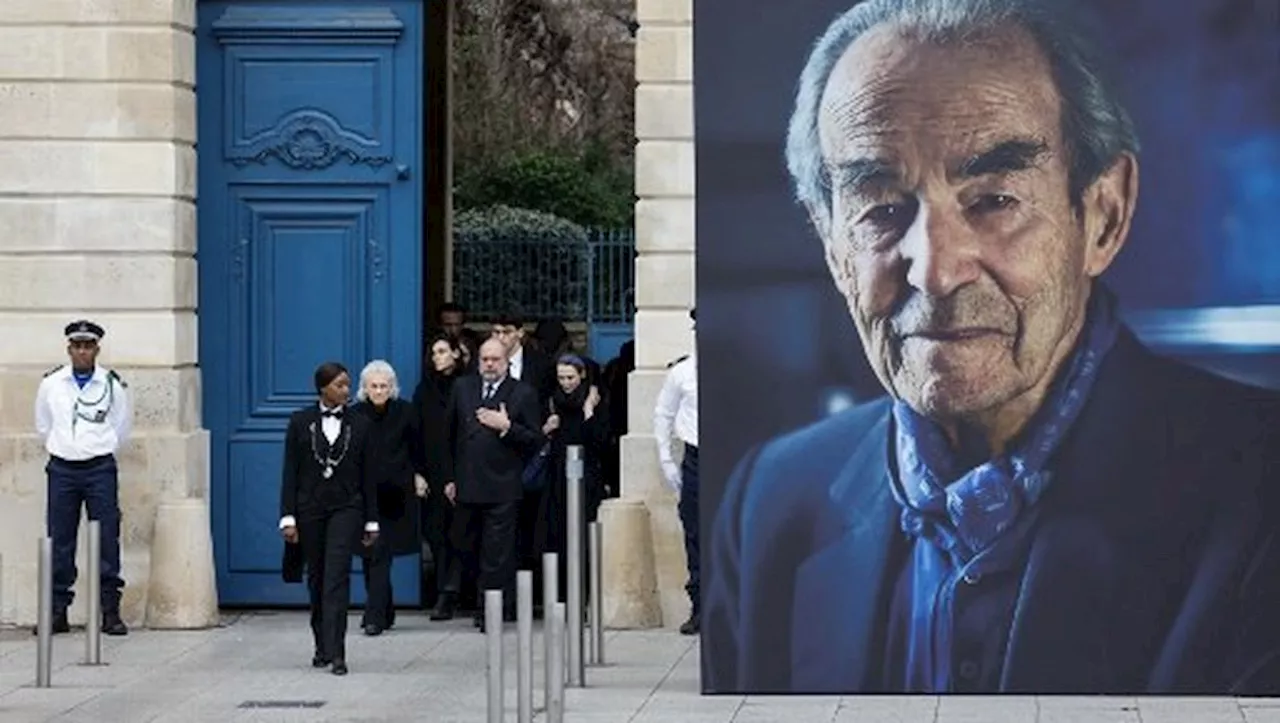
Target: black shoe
x=320, y=661
x=692, y=625
x=113, y=625
x=444, y=608
x=59, y=624
x=372, y=631
x=339, y=667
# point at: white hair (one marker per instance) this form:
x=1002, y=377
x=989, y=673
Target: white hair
x=1096, y=127
x=378, y=368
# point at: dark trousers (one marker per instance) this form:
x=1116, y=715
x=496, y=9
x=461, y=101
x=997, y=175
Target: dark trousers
x=438, y=531
x=485, y=537
x=328, y=541
x=688, y=510
x=529, y=534
x=554, y=529
x=375, y=563
x=94, y=485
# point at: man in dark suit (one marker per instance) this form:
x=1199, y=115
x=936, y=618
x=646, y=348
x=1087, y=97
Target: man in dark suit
x=493, y=424
x=532, y=366
x=1042, y=505
x=526, y=363
x=327, y=497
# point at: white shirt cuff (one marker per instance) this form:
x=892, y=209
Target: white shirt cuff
x=370, y=527
x=288, y=521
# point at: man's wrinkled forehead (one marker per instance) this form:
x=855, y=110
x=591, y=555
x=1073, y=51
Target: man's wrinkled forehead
x=890, y=80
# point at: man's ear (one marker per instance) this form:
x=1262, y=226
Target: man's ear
x=1107, y=207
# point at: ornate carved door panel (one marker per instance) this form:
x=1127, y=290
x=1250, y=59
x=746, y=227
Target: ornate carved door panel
x=309, y=245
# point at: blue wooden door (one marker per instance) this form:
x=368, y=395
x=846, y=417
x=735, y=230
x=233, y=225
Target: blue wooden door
x=309, y=246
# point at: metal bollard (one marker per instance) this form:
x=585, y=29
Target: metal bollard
x=550, y=597
x=93, y=626
x=555, y=685
x=44, y=617
x=573, y=548
x=596, y=562
x=524, y=646
x=493, y=662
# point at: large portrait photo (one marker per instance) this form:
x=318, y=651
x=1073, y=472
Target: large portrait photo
x=989, y=346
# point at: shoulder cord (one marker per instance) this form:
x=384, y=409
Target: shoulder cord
x=108, y=394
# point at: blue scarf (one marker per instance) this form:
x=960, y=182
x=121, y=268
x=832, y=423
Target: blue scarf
x=964, y=512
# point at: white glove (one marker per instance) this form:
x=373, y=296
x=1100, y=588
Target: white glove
x=671, y=471
x=420, y=485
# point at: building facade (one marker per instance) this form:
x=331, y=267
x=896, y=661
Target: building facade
x=214, y=318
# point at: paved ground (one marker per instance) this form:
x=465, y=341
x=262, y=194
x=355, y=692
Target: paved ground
x=435, y=674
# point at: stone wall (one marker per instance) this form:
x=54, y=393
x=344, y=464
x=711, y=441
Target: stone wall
x=97, y=220
x=664, y=289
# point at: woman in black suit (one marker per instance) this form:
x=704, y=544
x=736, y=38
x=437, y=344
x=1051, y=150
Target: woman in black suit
x=397, y=467
x=445, y=363
x=327, y=500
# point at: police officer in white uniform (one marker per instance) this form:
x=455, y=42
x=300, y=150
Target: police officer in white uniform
x=675, y=416
x=84, y=416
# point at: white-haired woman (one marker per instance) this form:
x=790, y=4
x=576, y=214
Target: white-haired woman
x=397, y=465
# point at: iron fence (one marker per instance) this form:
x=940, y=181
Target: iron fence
x=592, y=281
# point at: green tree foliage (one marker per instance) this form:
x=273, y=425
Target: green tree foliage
x=544, y=97
x=587, y=188
x=542, y=261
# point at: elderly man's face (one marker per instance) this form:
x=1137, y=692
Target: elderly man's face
x=493, y=360
x=952, y=233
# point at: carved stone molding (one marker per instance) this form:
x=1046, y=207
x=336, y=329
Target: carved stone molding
x=307, y=140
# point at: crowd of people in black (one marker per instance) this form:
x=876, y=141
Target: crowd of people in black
x=468, y=472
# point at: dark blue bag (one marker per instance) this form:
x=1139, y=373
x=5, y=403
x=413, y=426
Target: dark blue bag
x=535, y=473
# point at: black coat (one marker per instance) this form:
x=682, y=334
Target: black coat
x=431, y=398
x=540, y=373
x=574, y=430
x=395, y=456
x=489, y=468
x=304, y=492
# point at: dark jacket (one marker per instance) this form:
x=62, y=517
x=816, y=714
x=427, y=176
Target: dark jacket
x=539, y=372
x=1153, y=566
x=488, y=468
x=431, y=398
x=304, y=493
x=395, y=456
x=614, y=385
x=574, y=430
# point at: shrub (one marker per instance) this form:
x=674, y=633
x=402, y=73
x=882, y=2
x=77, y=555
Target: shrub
x=588, y=188
x=508, y=258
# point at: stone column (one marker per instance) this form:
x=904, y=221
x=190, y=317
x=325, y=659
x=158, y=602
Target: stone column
x=664, y=292
x=97, y=220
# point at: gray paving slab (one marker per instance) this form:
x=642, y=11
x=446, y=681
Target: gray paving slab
x=435, y=672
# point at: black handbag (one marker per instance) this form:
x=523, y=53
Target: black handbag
x=294, y=563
